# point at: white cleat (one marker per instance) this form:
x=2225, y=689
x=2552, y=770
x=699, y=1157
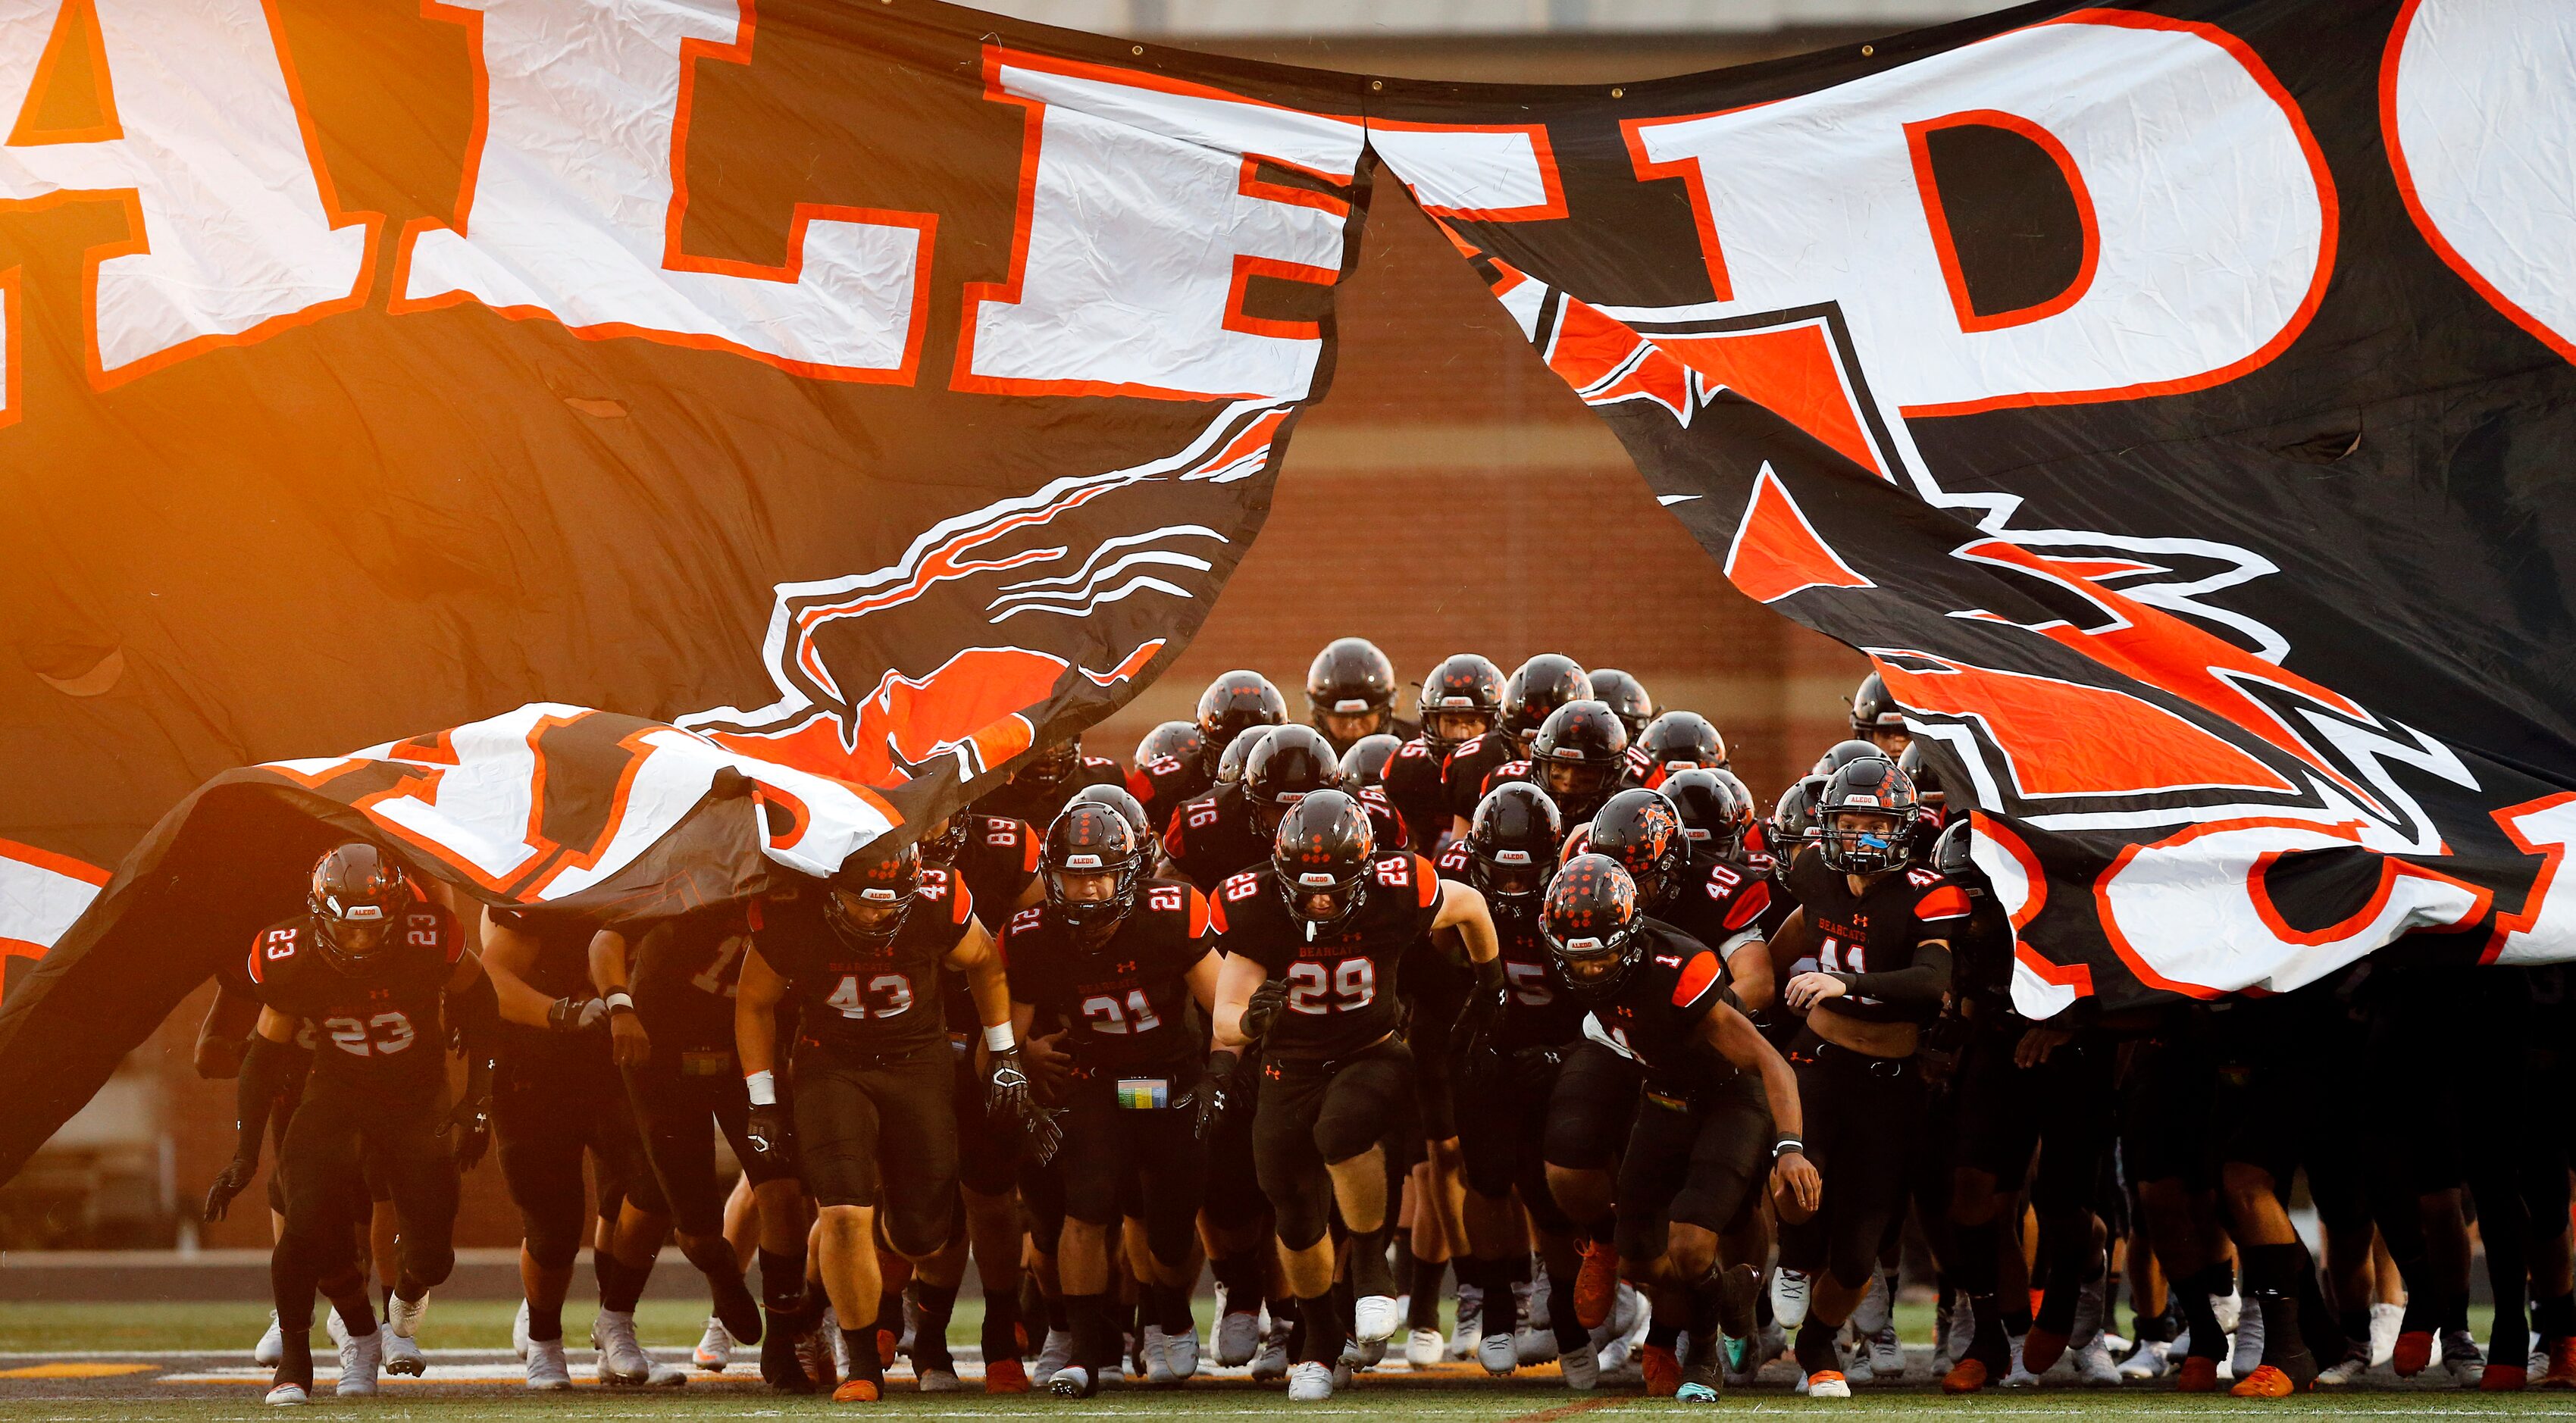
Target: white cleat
x=1181, y=1355
x=2093, y=1366
x=1825, y=1387
x=548, y=1370
x=1470, y=1329
x=288, y=1395
x=1859, y=1370
x=2347, y=1369
x=2461, y=1359
x=519, y=1332
x=1374, y=1318
x=1582, y=1369
x=1069, y=1381
x=941, y=1381
x=271, y=1347
x=360, y=1361
x=1157, y=1369
x=2230, y=1309
x=2248, y=1355
x=1789, y=1290
x=622, y=1360
x=1424, y=1347
x=2386, y=1322
x=403, y=1356
x=1310, y=1383
x=2153, y=1360
x=2019, y=1375
x=1498, y=1354
x=1886, y=1354
x=403, y=1316
x=1238, y=1338
x=1055, y=1353
x=1270, y=1364
x=715, y=1347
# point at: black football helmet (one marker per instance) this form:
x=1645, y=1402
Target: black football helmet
x=1322, y=852
x=1642, y=830
x=1793, y=819
x=1463, y=687
x=1679, y=740
x=872, y=877
x=357, y=896
x=1179, y=740
x=1046, y=771
x=1350, y=677
x=944, y=842
x=1511, y=846
x=1627, y=698
x=1950, y=855
x=1365, y=763
x=1874, y=713
x=1091, y=839
x=1927, y=781
x=1841, y=754
x=1577, y=756
x=1119, y=799
x=1289, y=764
x=1591, y=922
x=1229, y=767
x=1713, y=812
x=1541, y=685
x=1871, y=787
x=1237, y=700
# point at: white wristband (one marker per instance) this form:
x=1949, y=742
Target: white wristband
x=997, y=1038
x=617, y=1001
x=763, y=1086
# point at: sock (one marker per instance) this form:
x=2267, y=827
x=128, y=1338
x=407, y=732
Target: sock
x=2323, y=1329
x=1059, y=1316
x=2016, y=1314
x=1240, y=1277
x=1172, y=1310
x=388, y=1290
x=545, y=1321
x=2555, y=1318
x=1570, y=1333
x=1662, y=1333
x=1404, y=1259
x=1326, y=1331
x=1427, y=1277
x=1705, y=1296
x=864, y=1363
x=620, y=1285
x=930, y=1333
x=602, y=1266
x=1000, y=1334
x=1815, y=1348
x=1739, y=1286
x=890, y=1311
x=2271, y=1277
x=1502, y=1307
x=782, y=1281
x=2194, y=1296
x=1370, y=1274
x=357, y=1314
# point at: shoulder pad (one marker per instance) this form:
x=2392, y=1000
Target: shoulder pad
x=1942, y=901
x=1697, y=977
x=271, y=946
x=1239, y=887
x=1922, y=876
x=1097, y=762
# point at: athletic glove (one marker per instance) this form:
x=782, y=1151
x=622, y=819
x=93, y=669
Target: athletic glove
x=469, y=1132
x=229, y=1182
x=577, y=1015
x=1215, y=1093
x=1046, y=1132
x=1534, y=1070
x=1263, y=1008
x=768, y=1131
x=1006, y=1088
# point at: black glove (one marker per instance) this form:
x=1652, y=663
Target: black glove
x=1472, y=1039
x=1534, y=1070
x=1263, y=1007
x=1215, y=1093
x=229, y=1182
x=1006, y=1088
x=1046, y=1132
x=469, y=1132
x=768, y=1132
x=576, y=1015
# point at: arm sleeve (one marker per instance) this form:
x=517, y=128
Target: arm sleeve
x=1917, y=985
x=263, y=1080
x=477, y=1011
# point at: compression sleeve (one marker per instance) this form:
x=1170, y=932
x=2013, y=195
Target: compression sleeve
x=1917, y=985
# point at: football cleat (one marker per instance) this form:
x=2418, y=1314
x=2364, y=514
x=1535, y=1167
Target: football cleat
x=1181, y=1354
x=272, y=1345
x=548, y=1370
x=2561, y=1372
x=1071, y=1381
x=1053, y=1354
x=1006, y=1376
x=2041, y=1349
x=1859, y=1371
x=1886, y=1354
x=856, y=1391
x=622, y=1360
x=2197, y=1375
x=1238, y=1337
x=1425, y=1347
x=519, y=1332
x=1157, y=1369
x=1469, y=1331
x=2153, y=1360
x=1828, y=1383
x=715, y=1347
x=2265, y=1381
x=1596, y=1284
x=2504, y=1378
x=1581, y=1367
x=1535, y=1344
x=1498, y=1354
x=2093, y=1365
x=2461, y=1359
x=1789, y=1298
x=360, y=1359
x=2385, y=1321
x=403, y=1356
x=2019, y=1376
x=1374, y=1318
x=937, y=1380
x=2348, y=1369
x=1966, y=1376
x=288, y=1395
x=1271, y=1364
x=2412, y=1351
x=1310, y=1382
x=1663, y=1371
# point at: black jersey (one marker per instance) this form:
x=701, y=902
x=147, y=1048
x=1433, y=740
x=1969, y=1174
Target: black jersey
x=1212, y=836
x=1877, y=930
x=1412, y=786
x=1039, y=808
x=685, y=973
x=998, y=862
x=1654, y=1017
x=1462, y=776
x=1720, y=902
x=383, y=1030
x=561, y=969
x=876, y=1000
x=1539, y=1011
x=1125, y=1002
x=1162, y=784
x=1342, y=986
x=1401, y=728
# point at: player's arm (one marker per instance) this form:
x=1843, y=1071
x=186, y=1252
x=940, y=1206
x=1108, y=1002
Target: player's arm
x=1917, y=985
x=1202, y=980
x=755, y=1017
x=474, y=1009
x=221, y=1044
x=1236, y=982
x=266, y=1067
x=509, y=955
x=1462, y=908
x=1748, y=972
x=976, y=957
x=1793, y=941
x=611, y=963
x=1732, y=1036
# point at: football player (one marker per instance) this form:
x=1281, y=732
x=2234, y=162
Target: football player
x=1877, y=719
x=1878, y=927
x=1462, y=699
x=1327, y=921
x=1580, y=757
x=1230, y=829
x=382, y=973
x=1627, y=698
x=1114, y=958
x=1534, y=691
x=1170, y=767
x=1350, y=693
x=868, y=1121
x=1675, y=741
x=1231, y=705
x=1364, y=764
x=1721, y=1111
x=1699, y=886
x=558, y=1098
x=1037, y=790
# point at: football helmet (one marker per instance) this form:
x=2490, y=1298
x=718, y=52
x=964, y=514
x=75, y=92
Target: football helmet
x=1289, y=764
x=356, y=896
x=875, y=880
x=1350, y=677
x=1642, y=830
x=1627, y=698
x=1577, y=756
x=1534, y=692
x=1868, y=813
x=1119, y=799
x=1229, y=767
x=1511, y=846
x=1679, y=740
x=1092, y=863
x=1179, y=740
x=1237, y=700
x=1591, y=923
x=1464, y=688
x=1321, y=859
x=1713, y=812
x=1365, y=763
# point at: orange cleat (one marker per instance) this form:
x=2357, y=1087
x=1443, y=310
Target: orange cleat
x=1006, y=1376
x=2041, y=1348
x=2265, y=1382
x=1596, y=1285
x=1965, y=1376
x=856, y=1391
x=1828, y=1383
x=2504, y=1378
x=2414, y=1353
x=1663, y=1371
x=886, y=1340
x=2198, y=1375
x=2562, y=1365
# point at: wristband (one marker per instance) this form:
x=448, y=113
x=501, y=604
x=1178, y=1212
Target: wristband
x=997, y=1038
x=1785, y=1145
x=617, y=1001
x=763, y=1087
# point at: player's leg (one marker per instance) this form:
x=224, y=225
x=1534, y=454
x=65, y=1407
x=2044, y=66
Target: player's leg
x=2074, y=1146
x=1996, y=1135
x=426, y=1191
x=1292, y=1171
x=1873, y=1109
x=988, y=1157
x=1589, y=1110
x=838, y=1133
x=675, y=1126
x=541, y=1167
x=1167, y=1172
x=1093, y=1160
x=1368, y=1097
x=1729, y=1155
x=316, y=1247
x=920, y=1213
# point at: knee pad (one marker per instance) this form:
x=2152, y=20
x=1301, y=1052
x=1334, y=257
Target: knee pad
x=1170, y=1237
x=430, y=1266
x=916, y=1230
x=1304, y=1216
x=553, y=1244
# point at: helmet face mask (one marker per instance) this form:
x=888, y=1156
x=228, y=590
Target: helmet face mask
x=944, y=842
x=356, y=897
x=1511, y=847
x=1867, y=813
x=1448, y=728
x=868, y=899
x=1320, y=857
x=1091, y=866
x=1462, y=699
x=1051, y=767
x=1578, y=755
x=1350, y=689
x=1593, y=926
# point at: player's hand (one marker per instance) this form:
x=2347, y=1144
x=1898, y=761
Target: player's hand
x=229, y=1182
x=628, y=1044
x=1214, y=1094
x=576, y=1015
x=1809, y=989
x=768, y=1132
x=1006, y=1088
x=1534, y=1070
x=1046, y=1132
x=469, y=1132
x=1049, y=1066
x=1794, y=1181
x=2037, y=1043
x=1263, y=1007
